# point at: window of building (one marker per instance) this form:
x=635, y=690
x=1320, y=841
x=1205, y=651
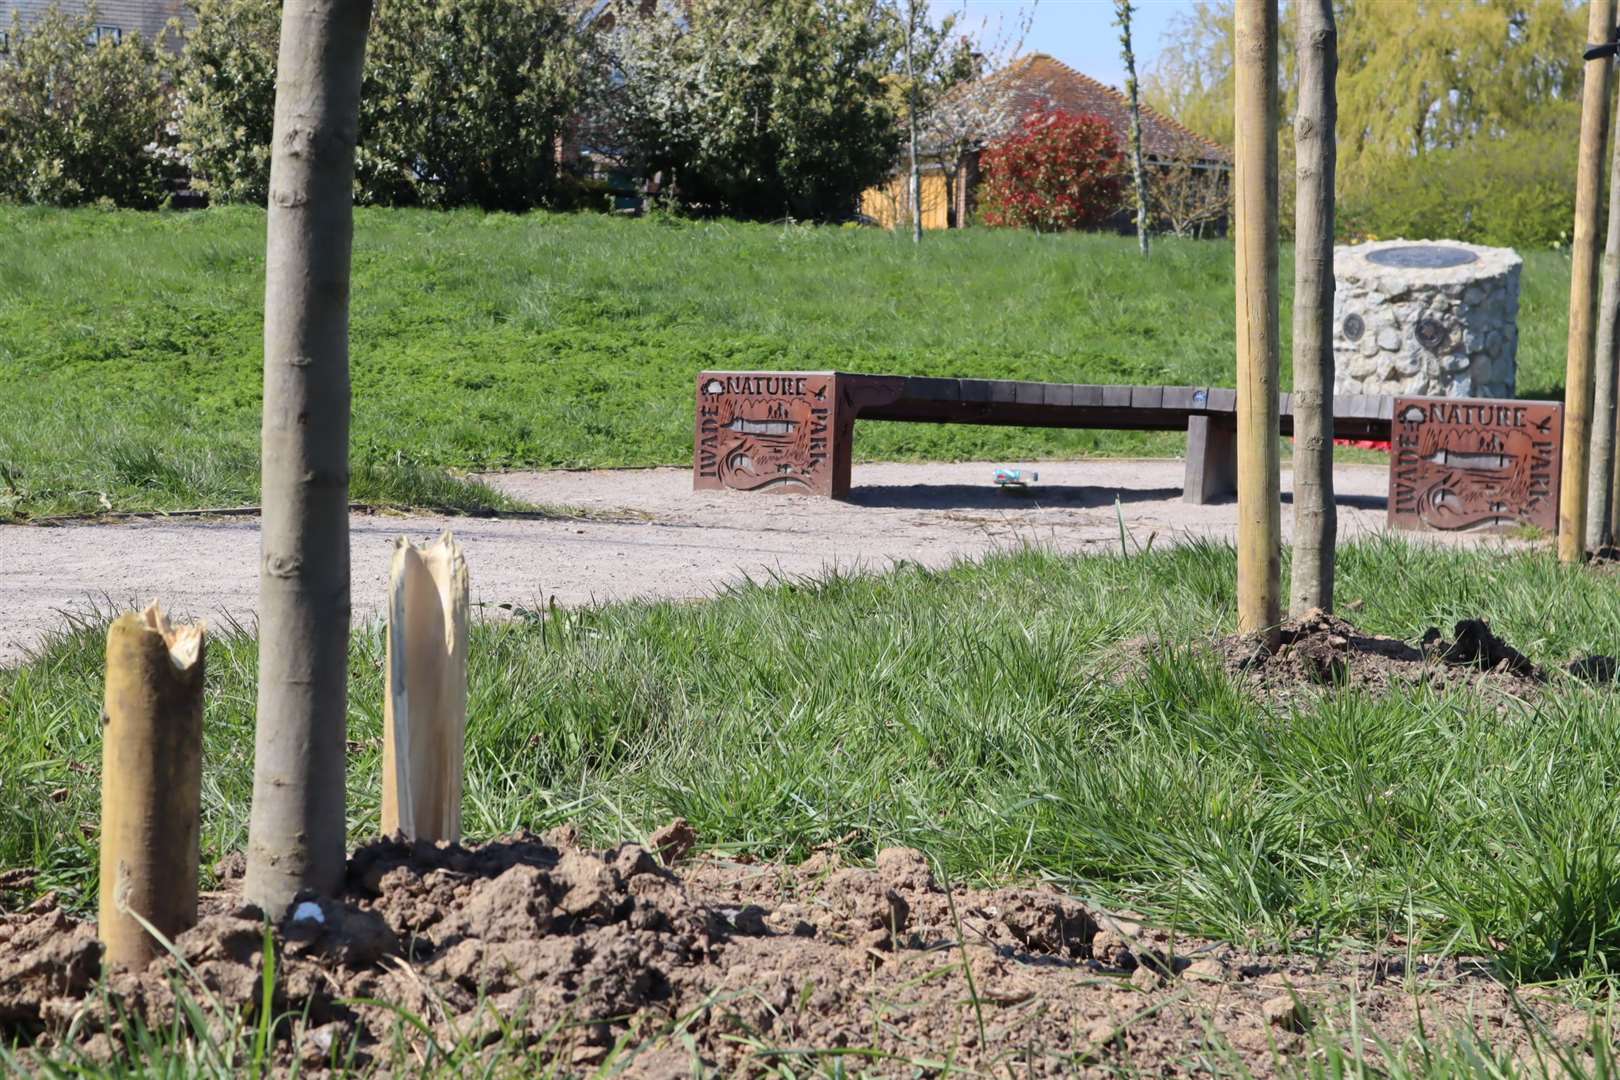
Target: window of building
x=107, y=32
x=5, y=42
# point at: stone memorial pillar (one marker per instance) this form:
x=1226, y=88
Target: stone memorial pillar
x=1426, y=319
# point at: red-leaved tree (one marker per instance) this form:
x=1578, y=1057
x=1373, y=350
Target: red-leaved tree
x=1060, y=171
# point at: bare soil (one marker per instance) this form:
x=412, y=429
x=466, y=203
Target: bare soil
x=1320, y=649
x=612, y=957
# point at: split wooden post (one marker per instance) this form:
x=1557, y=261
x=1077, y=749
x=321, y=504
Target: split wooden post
x=151, y=784
x=425, y=698
x=1583, y=289
x=1259, y=538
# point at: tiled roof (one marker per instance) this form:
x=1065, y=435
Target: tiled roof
x=1039, y=83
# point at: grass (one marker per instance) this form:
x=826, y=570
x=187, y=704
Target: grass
x=973, y=713
x=989, y=714
x=130, y=343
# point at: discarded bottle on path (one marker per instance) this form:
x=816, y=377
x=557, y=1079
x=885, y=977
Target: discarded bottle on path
x=1016, y=477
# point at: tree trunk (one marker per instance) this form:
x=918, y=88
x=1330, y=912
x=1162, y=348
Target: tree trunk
x=425, y=699
x=1583, y=290
x=151, y=785
x=1315, y=517
x=297, y=829
x=1600, y=487
x=1138, y=172
x=911, y=126
x=1259, y=537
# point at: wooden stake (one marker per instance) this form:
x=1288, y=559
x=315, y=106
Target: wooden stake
x=1259, y=538
x=151, y=784
x=425, y=700
x=1315, y=122
x=1583, y=290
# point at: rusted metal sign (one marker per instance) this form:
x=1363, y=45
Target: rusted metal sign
x=1460, y=464
x=773, y=431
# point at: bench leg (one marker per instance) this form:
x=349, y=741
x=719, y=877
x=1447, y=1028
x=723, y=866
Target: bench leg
x=1211, y=460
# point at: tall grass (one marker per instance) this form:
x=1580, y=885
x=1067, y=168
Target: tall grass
x=130, y=343
x=997, y=716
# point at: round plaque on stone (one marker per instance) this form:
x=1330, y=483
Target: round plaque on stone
x=1422, y=256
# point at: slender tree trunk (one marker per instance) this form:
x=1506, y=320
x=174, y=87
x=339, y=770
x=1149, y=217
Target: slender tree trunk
x=1259, y=539
x=296, y=833
x=1600, y=486
x=1583, y=290
x=911, y=125
x=1315, y=517
x=1138, y=172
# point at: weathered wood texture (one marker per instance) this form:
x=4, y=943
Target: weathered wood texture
x=1583, y=288
x=425, y=698
x=151, y=785
x=1259, y=536
x=1315, y=122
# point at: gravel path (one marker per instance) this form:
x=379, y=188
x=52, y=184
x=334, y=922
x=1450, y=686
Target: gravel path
x=667, y=542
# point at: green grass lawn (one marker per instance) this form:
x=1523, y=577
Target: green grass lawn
x=130, y=343
x=976, y=713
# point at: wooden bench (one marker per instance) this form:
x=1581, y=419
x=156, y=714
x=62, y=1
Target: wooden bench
x=795, y=431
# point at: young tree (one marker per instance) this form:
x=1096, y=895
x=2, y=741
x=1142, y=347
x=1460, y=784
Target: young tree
x=1583, y=290
x=1600, y=486
x=1315, y=517
x=297, y=828
x=1187, y=194
x=1122, y=9
x=1255, y=182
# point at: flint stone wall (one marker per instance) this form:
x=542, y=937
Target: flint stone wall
x=1426, y=318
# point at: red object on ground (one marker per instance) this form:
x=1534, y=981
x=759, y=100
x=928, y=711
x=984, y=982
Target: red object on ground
x=1364, y=444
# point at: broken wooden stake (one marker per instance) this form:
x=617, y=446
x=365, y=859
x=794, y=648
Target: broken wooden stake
x=151, y=785
x=425, y=699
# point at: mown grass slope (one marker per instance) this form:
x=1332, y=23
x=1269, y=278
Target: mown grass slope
x=994, y=715
x=130, y=343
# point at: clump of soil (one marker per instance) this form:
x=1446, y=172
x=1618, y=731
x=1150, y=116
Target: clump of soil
x=1321, y=649
x=583, y=955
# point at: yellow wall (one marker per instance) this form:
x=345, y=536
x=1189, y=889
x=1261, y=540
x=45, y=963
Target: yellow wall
x=890, y=205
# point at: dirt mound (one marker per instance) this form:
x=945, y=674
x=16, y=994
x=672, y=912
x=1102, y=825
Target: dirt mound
x=1320, y=649
x=586, y=955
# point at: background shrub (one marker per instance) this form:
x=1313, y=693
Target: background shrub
x=1514, y=191
x=227, y=97
x=755, y=108
x=462, y=103
x=1061, y=171
x=81, y=120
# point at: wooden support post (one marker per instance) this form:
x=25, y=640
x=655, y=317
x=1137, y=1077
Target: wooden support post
x=151, y=785
x=1211, y=472
x=1259, y=538
x=425, y=697
x=1583, y=289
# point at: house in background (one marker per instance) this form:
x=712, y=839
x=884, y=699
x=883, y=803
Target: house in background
x=114, y=18
x=978, y=114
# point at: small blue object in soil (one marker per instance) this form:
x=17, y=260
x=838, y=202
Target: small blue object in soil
x=1016, y=477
